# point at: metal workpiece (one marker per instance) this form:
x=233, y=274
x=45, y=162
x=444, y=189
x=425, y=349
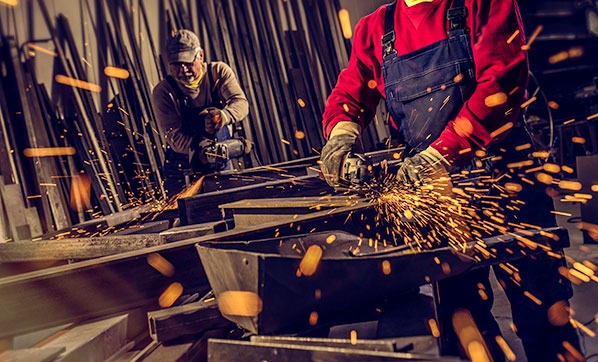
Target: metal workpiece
x=296, y=282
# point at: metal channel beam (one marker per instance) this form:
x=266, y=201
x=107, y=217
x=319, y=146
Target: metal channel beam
x=224, y=350
x=58, y=295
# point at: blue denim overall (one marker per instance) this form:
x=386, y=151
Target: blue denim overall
x=426, y=89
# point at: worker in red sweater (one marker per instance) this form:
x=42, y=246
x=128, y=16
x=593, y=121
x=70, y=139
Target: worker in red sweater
x=454, y=76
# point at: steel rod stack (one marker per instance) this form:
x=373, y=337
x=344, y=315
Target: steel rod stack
x=287, y=56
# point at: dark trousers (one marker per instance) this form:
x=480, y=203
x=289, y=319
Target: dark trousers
x=532, y=285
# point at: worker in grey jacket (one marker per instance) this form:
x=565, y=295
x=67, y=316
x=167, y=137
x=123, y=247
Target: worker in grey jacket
x=197, y=101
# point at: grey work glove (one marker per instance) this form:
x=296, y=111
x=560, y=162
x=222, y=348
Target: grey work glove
x=333, y=155
x=428, y=168
x=214, y=119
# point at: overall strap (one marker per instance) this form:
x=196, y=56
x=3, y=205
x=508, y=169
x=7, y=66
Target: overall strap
x=213, y=86
x=181, y=97
x=388, y=39
x=456, y=16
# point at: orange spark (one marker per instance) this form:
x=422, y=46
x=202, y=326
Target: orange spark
x=49, y=151
x=559, y=313
x=386, y=267
x=77, y=83
x=533, y=37
x=551, y=167
x=116, y=72
x=509, y=354
x=567, y=169
x=544, y=178
x=434, y=328
x=463, y=126
x=313, y=318
x=41, y=49
x=170, y=295
x=80, y=197
x=558, y=57
x=524, y=146
x=239, y=303
x=502, y=129
x=570, y=185
x=345, y=21
x=353, y=337
x=311, y=260
x=512, y=37
x=541, y=154
x=496, y=99
x=528, y=102
x=299, y=135
x=532, y=297
x=159, y=263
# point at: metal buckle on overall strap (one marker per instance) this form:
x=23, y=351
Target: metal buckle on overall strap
x=456, y=18
x=388, y=41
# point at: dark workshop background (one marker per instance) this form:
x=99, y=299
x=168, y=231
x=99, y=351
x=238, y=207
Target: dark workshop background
x=287, y=55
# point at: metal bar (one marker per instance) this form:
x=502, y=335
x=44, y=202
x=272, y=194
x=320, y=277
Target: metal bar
x=53, y=207
x=96, y=147
x=95, y=247
x=220, y=350
x=95, y=341
x=123, y=281
x=204, y=207
x=187, y=320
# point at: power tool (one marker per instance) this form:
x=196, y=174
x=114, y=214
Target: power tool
x=357, y=169
x=212, y=155
x=360, y=169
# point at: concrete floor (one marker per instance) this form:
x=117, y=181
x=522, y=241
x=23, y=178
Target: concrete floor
x=584, y=303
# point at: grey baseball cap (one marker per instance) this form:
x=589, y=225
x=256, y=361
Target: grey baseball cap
x=182, y=46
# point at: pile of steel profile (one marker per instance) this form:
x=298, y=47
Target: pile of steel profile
x=233, y=254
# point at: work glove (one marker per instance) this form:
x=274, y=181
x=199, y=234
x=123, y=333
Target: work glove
x=427, y=168
x=334, y=153
x=214, y=119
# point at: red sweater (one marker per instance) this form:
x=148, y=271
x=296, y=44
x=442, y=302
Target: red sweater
x=500, y=66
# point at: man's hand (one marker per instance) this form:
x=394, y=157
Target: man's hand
x=214, y=119
x=333, y=155
x=427, y=168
